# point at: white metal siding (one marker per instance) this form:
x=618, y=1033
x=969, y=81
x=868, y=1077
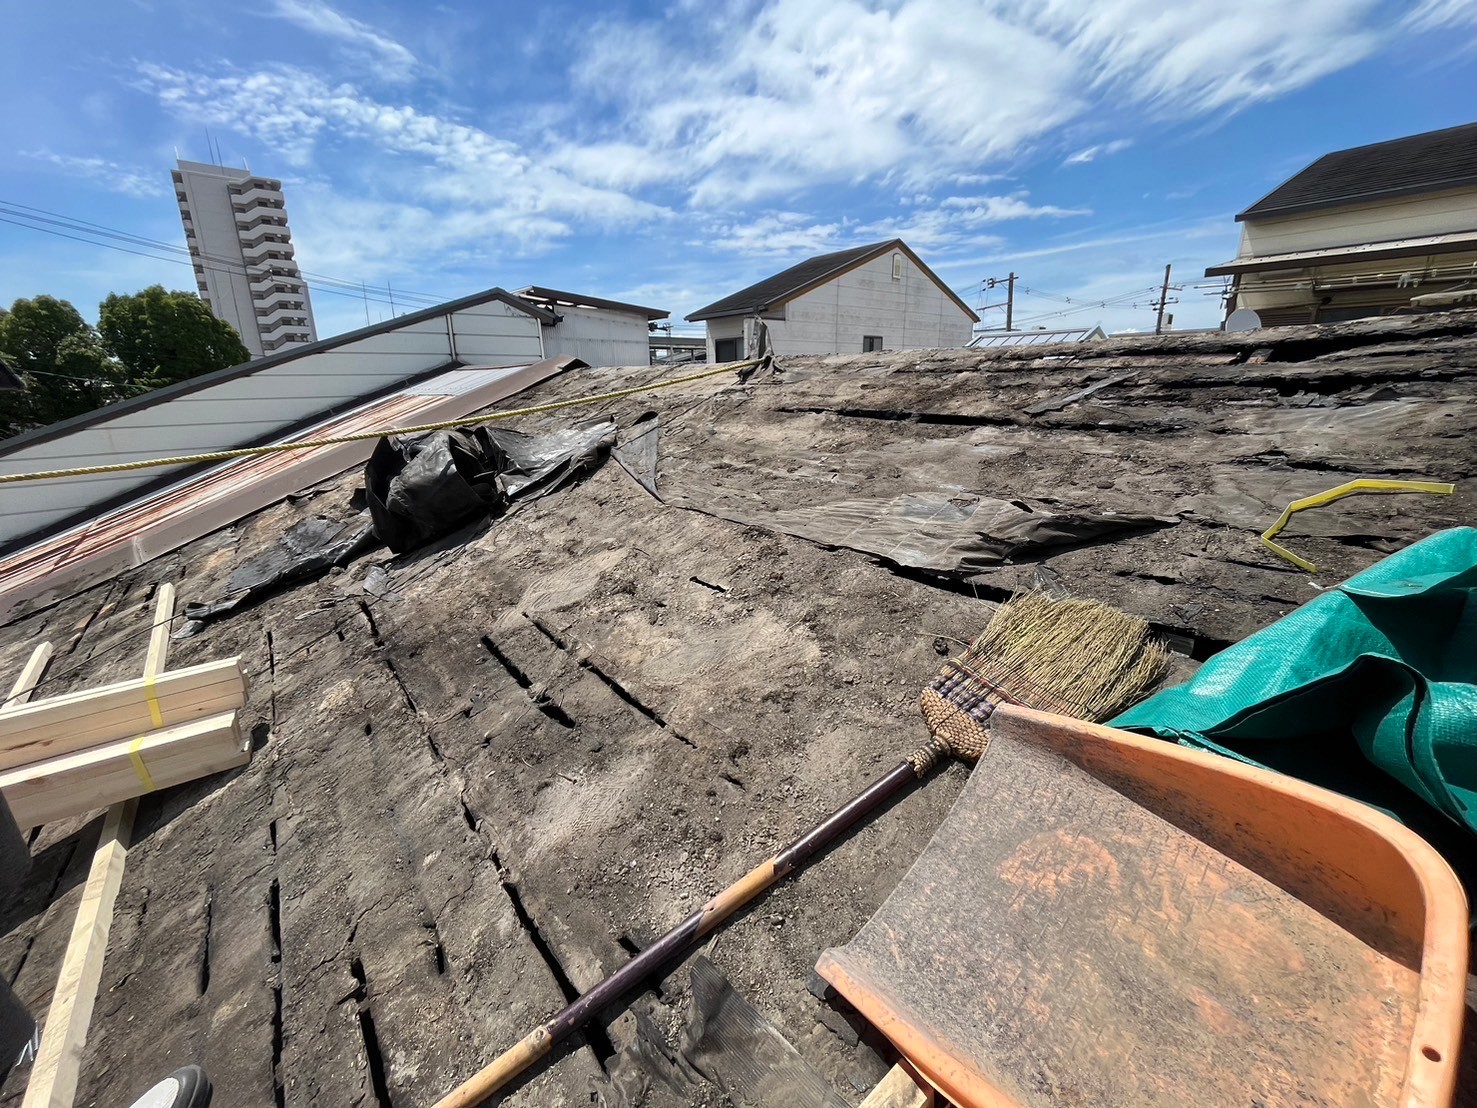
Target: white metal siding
x=911, y=313
x=252, y=407
x=1385, y=221
x=598, y=336
x=730, y=327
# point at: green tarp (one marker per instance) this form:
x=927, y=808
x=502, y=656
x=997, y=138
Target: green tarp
x=1369, y=689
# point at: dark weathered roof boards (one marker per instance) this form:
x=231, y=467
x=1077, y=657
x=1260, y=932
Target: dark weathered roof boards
x=1428, y=162
x=812, y=273
x=487, y=771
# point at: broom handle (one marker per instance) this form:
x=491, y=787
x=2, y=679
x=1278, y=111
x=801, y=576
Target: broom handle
x=680, y=939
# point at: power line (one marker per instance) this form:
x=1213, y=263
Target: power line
x=75, y=223
x=182, y=255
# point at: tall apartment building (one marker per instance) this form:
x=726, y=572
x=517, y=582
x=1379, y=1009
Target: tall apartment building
x=236, y=227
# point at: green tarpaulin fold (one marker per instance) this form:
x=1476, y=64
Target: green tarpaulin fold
x=1369, y=689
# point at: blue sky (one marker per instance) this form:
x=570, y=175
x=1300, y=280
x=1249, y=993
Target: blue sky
x=669, y=154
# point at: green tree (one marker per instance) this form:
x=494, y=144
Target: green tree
x=161, y=337
x=65, y=369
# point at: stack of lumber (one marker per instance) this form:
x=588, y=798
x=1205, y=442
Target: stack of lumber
x=67, y=755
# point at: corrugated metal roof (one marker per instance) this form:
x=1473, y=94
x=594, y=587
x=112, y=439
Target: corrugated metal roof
x=548, y=298
x=246, y=369
x=984, y=339
x=1408, y=166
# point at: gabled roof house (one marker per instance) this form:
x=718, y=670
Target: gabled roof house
x=1361, y=232
x=876, y=297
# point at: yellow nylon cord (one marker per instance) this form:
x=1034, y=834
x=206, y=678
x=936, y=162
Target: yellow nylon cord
x=1439, y=488
x=361, y=436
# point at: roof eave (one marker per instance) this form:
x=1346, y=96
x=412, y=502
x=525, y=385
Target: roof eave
x=246, y=369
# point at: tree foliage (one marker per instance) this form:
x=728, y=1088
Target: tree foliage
x=61, y=361
x=142, y=341
x=162, y=337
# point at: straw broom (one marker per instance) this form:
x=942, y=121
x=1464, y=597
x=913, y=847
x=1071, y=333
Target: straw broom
x=1073, y=657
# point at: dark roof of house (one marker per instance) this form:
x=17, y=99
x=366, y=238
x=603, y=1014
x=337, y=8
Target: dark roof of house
x=812, y=273
x=245, y=369
x=553, y=298
x=9, y=378
x=1408, y=166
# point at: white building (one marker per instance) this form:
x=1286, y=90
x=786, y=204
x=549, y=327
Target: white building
x=236, y=227
x=877, y=297
x=597, y=331
x=261, y=401
x=1362, y=232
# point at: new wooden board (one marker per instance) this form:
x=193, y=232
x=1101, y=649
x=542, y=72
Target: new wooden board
x=59, y=725
x=81, y=782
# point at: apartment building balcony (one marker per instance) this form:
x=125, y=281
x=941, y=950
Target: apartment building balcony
x=267, y=251
x=268, y=198
x=266, y=232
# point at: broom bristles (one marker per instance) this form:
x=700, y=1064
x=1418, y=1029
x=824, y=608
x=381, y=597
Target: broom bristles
x=1074, y=657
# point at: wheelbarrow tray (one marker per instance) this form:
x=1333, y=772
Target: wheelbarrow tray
x=1108, y=919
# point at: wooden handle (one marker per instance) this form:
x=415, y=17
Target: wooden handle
x=499, y=1072
x=680, y=939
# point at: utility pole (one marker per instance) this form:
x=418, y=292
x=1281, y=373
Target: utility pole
x=1009, y=283
x=1163, y=300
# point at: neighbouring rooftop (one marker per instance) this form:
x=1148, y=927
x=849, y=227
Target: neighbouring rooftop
x=1409, y=166
x=487, y=771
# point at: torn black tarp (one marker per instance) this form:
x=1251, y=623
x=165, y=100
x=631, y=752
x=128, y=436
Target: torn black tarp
x=308, y=548
x=957, y=536
x=422, y=488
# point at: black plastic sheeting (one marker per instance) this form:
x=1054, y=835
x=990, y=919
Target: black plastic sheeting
x=309, y=548
x=736, y=1048
x=636, y=452
x=16, y=1025
x=420, y=489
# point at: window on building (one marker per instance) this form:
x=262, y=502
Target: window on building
x=871, y=344
x=897, y=267
x=728, y=350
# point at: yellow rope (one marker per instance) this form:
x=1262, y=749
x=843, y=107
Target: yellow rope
x=309, y=444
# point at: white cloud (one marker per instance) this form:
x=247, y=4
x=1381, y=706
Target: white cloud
x=423, y=183
x=768, y=99
x=128, y=180
x=774, y=234
x=992, y=209
x=958, y=221
x=1432, y=15
x=388, y=57
x=1092, y=153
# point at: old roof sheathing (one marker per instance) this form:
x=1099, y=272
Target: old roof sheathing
x=484, y=779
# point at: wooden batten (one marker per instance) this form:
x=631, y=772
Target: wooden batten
x=60, y=725
x=81, y=782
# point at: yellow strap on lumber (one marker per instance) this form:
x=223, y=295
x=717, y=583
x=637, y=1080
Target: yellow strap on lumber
x=138, y=763
x=361, y=436
x=152, y=696
x=1364, y=484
